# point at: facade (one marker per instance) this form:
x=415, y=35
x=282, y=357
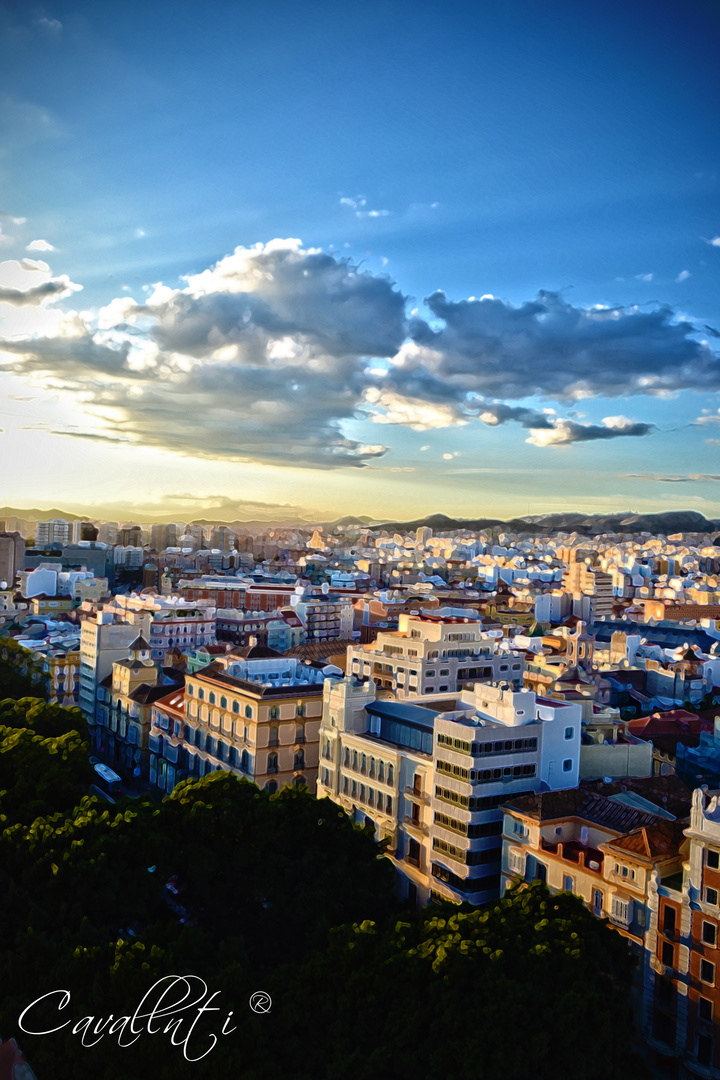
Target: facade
x=682, y=1001
x=62, y=667
x=56, y=531
x=103, y=640
x=12, y=555
x=431, y=772
x=433, y=654
x=167, y=622
x=253, y=712
x=124, y=710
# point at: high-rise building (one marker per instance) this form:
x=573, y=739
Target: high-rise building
x=430, y=774
x=55, y=531
x=103, y=640
x=12, y=554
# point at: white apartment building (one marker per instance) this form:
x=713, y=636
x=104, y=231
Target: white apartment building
x=430, y=773
x=56, y=531
x=431, y=654
x=103, y=640
x=167, y=621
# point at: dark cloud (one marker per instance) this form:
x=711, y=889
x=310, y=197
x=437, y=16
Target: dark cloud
x=55, y=289
x=691, y=478
x=549, y=348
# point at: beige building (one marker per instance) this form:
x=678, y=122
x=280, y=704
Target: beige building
x=253, y=712
x=431, y=654
x=124, y=710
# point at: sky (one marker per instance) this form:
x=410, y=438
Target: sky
x=385, y=259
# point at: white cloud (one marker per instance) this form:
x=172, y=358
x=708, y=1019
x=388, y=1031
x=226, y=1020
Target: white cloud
x=643, y=277
x=683, y=275
x=39, y=245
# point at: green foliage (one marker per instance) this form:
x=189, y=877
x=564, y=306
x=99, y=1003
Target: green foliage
x=282, y=893
x=43, y=718
x=21, y=672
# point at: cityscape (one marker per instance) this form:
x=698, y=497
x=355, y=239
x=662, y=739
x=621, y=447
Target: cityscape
x=360, y=541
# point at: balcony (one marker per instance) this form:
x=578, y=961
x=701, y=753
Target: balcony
x=417, y=796
x=414, y=826
x=572, y=851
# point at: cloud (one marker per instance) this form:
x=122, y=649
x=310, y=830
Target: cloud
x=261, y=357
x=655, y=478
x=39, y=245
x=549, y=348
x=564, y=432
x=55, y=289
x=15, y=220
x=358, y=205
x=270, y=354
x=715, y=242
x=52, y=27
x=683, y=275
x=643, y=277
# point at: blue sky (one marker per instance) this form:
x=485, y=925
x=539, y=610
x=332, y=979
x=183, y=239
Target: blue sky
x=473, y=150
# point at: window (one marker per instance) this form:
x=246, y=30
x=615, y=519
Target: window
x=274, y=712
x=388, y=805
x=201, y=694
x=519, y=829
x=273, y=737
x=236, y=706
x=381, y=772
x=711, y=897
x=712, y=859
x=345, y=785
x=372, y=766
x=705, y=1009
x=248, y=712
x=516, y=862
x=707, y=972
x=272, y=763
x=567, y=765
x=668, y=953
x=363, y=764
x=245, y=761
x=190, y=689
x=597, y=901
x=299, y=733
x=347, y=756
x=668, y=920
x=271, y=787
x=709, y=933
x=211, y=698
x=621, y=910
x=568, y=883
x=569, y=732
x=223, y=703
x=355, y=760
x=300, y=711
x=299, y=762
x=390, y=774
x=704, y=1046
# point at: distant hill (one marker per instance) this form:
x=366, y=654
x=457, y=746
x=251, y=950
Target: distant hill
x=665, y=522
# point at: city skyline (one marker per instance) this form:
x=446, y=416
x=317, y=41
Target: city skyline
x=372, y=263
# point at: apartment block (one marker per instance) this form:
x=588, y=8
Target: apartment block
x=433, y=654
x=430, y=773
x=253, y=712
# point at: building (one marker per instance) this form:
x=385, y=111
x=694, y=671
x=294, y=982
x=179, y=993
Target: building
x=121, y=730
x=12, y=555
x=253, y=712
x=433, y=654
x=55, y=531
x=166, y=622
x=103, y=640
x=591, y=590
x=682, y=999
x=431, y=772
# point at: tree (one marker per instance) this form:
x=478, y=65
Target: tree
x=21, y=672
